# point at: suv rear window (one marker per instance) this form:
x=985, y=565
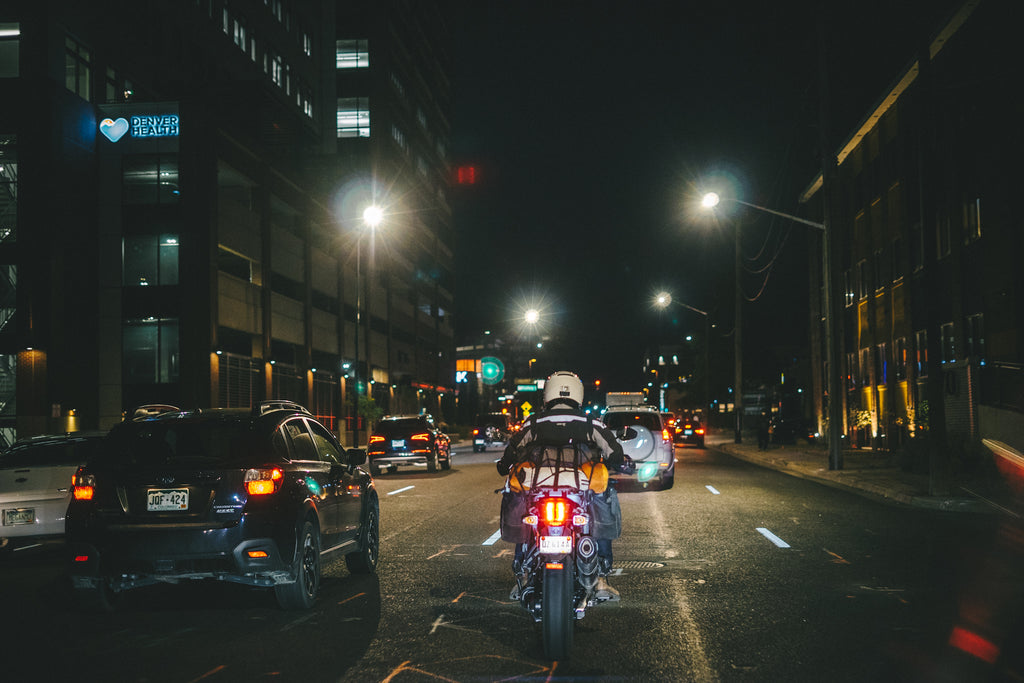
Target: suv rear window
x=618, y=420
x=402, y=426
x=181, y=442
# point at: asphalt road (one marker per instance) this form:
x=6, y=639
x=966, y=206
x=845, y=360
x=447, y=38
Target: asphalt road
x=736, y=574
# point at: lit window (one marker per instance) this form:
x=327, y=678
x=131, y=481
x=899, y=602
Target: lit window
x=150, y=179
x=352, y=54
x=10, y=36
x=948, y=343
x=353, y=117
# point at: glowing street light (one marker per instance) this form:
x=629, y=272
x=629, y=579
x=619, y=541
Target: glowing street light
x=373, y=216
x=835, y=413
x=532, y=316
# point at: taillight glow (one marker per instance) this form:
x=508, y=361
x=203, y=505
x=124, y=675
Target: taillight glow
x=531, y=520
x=263, y=481
x=555, y=511
x=475, y=432
x=421, y=437
x=81, y=558
x=83, y=486
x=257, y=554
x=376, y=439
x=700, y=430
x=665, y=434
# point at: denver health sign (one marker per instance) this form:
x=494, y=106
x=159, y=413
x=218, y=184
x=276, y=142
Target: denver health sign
x=140, y=126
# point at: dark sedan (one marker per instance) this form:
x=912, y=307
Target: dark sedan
x=259, y=497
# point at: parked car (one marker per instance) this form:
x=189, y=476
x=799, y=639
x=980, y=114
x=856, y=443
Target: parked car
x=408, y=440
x=261, y=497
x=35, y=485
x=490, y=429
x=652, y=450
x=689, y=430
x=787, y=430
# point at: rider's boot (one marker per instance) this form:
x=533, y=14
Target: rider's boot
x=604, y=592
x=521, y=578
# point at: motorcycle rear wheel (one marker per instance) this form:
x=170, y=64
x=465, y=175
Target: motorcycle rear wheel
x=558, y=613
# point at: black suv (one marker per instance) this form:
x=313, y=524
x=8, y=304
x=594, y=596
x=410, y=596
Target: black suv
x=489, y=429
x=260, y=497
x=408, y=440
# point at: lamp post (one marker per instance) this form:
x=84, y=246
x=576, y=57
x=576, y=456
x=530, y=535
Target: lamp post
x=372, y=217
x=835, y=416
x=663, y=300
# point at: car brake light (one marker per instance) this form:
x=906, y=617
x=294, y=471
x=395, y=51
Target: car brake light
x=83, y=486
x=421, y=437
x=257, y=554
x=666, y=435
x=376, y=439
x=262, y=482
x=555, y=510
x=81, y=558
x=700, y=430
x=475, y=432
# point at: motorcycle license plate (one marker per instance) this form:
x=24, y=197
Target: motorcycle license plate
x=556, y=545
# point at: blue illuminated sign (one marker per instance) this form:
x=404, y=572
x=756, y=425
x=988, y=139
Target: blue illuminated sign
x=141, y=126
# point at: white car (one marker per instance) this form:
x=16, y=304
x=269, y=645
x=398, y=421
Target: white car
x=35, y=485
x=652, y=450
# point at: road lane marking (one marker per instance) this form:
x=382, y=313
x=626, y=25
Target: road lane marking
x=690, y=637
x=713, y=490
x=391, y=493
x=772, y=537
x=493, y=538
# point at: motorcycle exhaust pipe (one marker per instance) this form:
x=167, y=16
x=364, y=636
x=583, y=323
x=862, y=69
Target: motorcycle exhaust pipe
x=586, y=562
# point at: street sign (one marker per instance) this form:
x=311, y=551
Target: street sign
x=527, y=408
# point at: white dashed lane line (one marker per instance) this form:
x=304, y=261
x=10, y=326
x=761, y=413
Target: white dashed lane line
x=772, y=537
x=391, y=493
x=713, y=490
x=493, y=539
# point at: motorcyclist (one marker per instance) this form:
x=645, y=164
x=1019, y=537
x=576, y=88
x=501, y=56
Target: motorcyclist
x=563, y=422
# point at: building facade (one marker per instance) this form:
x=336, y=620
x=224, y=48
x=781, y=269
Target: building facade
x=922, y=209
x=169, y=223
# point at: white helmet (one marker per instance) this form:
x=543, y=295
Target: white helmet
x=565, y=386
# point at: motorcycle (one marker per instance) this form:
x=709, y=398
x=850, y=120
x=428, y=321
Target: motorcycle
x=555, y=504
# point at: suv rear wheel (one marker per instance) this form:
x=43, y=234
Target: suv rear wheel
x=364, y=560
x=303, y=593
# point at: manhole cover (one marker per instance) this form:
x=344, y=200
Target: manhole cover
x=640, y=565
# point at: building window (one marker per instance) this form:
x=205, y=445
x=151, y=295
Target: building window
x=882, y=364
x=150, y=260
x=944, y=236
x=849, y=295
x=976, y=338
x=150, y=179
x=307, y=44
x=862, y=279
x=8, y=189
x=865, y=368
x=972, y=220
x=77, y=62
x=900, y=358
x=921, y=351
x=916, y=248
x=948, y=343
x=352, y=54
x=118, y=88
x=852, y=371
x=10, y=38
x=238, y=33
x=881, y=270
x=150, y=351
x=353, y=117
x=897, y=259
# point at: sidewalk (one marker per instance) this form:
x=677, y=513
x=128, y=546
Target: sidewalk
x=868, y=473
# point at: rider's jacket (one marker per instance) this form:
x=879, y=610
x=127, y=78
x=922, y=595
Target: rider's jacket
x=562, y=424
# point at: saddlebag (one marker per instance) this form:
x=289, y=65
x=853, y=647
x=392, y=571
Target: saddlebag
x=513, y=508
x=606, y=514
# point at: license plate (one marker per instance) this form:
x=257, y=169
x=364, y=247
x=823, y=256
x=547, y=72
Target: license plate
x=19, y=516
x=397, y=444
x=688, y=432
x=556, y=545
x=163, y=500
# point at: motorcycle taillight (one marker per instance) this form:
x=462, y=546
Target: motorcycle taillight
x=554, y=510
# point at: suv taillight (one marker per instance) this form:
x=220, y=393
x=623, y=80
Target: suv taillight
x=261, y=482
x=425, y=436
x=665, y=434
x=83, y=486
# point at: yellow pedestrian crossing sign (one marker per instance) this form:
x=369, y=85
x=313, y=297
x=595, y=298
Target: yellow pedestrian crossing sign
x=527, y=409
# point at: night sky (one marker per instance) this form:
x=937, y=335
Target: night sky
x=596, y=126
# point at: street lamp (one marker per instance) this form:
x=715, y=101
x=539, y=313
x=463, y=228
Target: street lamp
x=663, y=300
x=372, y=217
x=835, y=416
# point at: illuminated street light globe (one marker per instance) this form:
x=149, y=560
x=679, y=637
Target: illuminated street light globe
x=710, y=200
x=373, y=215
x=663, y=299
x=532, y=316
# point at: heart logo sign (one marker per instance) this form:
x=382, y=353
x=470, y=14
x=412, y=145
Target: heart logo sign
x=113, y=130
